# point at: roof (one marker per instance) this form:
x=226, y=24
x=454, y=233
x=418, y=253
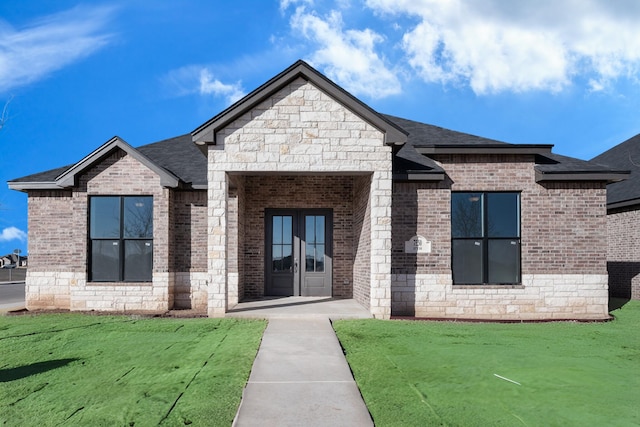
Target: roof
x=177, y=161
x=206, y=133
x=424, y=140
x=181, y=164
x=181, y=157
x=625, y=155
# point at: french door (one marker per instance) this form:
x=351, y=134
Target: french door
x=298, y=252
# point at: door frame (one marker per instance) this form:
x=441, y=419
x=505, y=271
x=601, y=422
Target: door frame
x=298, y=226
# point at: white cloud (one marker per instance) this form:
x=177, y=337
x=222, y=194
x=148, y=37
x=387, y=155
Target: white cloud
x=31, y=53
x=347, y=56
x=211, y=85
x=12, y=233
x=495, y=45
x=198, y=79
x=284, y=4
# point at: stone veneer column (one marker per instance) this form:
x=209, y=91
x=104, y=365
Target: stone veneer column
x=381, y=188
x=217, y=251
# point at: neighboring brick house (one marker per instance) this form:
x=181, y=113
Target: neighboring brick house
x=623, y=220
x=301, y=189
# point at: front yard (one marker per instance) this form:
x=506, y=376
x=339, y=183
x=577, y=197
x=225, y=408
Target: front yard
x=480, y=374
x=73, y=369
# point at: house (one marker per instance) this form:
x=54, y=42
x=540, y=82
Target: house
x=301, y=189
x=623, y=220
x=14, y=260
x=6, y=260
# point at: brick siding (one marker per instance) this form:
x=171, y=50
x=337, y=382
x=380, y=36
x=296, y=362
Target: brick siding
x=562, y=245
x=362, y=240
x=189, y=248
x=58, y=244
x=302, y=192
x=623, y=230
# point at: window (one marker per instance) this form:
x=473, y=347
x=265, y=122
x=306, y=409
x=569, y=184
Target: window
x=121, y=238
x=485, y=233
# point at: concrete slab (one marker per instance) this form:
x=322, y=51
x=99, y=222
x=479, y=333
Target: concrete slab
x=300, y=308
x=301, y=377
x=302, y=404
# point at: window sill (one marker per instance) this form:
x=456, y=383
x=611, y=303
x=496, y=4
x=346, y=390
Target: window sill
x=119, y=283
x=484, y=286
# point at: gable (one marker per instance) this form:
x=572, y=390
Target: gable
x=118, y=173
x=206, y=133
x=300, y=128
x=69, y=177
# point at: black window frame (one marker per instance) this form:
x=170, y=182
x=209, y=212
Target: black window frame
x=124, y=273
x=485, y=239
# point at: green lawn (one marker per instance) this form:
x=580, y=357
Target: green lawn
x=73, y=369
x=445, y=373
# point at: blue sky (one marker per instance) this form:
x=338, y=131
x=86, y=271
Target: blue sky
x=74, y=74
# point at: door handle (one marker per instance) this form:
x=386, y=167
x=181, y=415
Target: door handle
x=295, y=265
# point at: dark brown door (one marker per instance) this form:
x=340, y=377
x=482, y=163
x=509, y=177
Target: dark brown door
x=298, y=252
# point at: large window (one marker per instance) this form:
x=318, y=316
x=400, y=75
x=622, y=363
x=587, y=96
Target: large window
x=485, y=233
x=121, y=238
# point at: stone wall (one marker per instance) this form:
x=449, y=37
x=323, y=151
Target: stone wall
x=623, y=252
x=541, y=296
x=563, y=230
x=299, y=130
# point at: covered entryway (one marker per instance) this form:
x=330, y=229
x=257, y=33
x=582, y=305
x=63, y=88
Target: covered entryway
x=299, y=142
x=298, y=252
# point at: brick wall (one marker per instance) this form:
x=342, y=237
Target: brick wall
x=58, y=243
x=54, y=242
x=623, y=250
x=189, y=242
x=188, y=254
x=362, y=240
x=298, y=192
x=120, y=174
x=57, y=251
x=562, y=245
x=419, y=209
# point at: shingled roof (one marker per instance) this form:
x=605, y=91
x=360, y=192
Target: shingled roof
x=180, y=157
x=424, y=140
x=177, y=158
x=625, y=155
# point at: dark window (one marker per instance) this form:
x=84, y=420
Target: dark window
x=121, y=238
x=282, y=245
x=485, y=232
x=314, y=243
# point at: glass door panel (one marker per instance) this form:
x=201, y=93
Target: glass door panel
x=314, y=239
x=298, y=252
x=282, y=243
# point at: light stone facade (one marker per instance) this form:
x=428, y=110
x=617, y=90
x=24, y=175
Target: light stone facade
x=298, y=130
x=540, y=296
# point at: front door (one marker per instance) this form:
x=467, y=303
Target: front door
x=298, y=252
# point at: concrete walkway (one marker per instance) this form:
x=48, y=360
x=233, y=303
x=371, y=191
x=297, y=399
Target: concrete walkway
x=300, y=376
